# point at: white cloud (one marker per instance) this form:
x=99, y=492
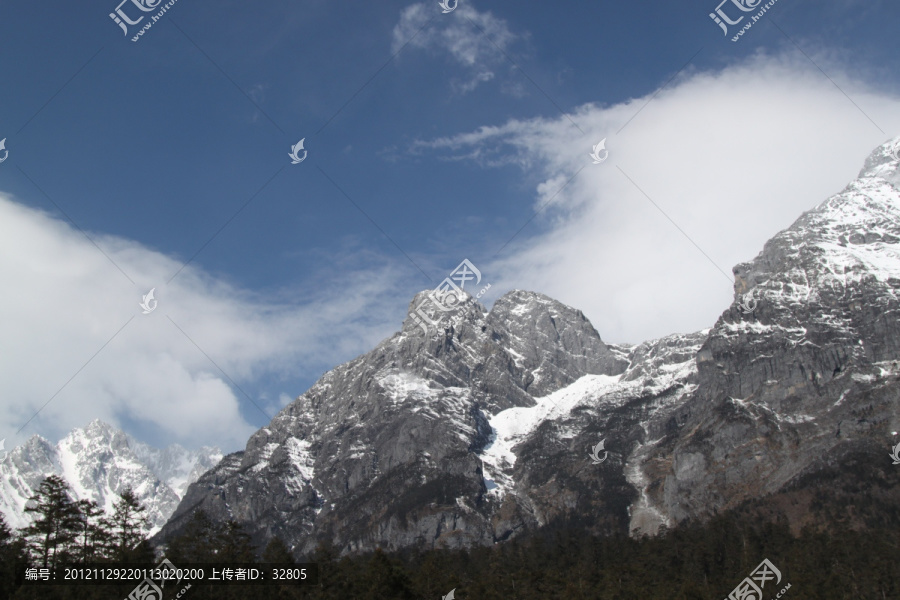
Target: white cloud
x=63, y=300
x=475, y=41
x=732, y=157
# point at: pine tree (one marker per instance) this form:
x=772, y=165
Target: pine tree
x=277, y=553
x=385, y=578
x=198, y=542
x=127, y=526
x=233, y=544
x=332, y=582
x=13, y=560
x=143, y=553
x=56, y=523
x=93, y=538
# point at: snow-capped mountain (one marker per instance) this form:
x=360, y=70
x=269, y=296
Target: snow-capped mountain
x=174, y=465
x=99, y=461
x=496, y=422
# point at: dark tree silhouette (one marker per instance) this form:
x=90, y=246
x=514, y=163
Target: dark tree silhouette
x=233, y=544
x=56, y=522
x=93, y=539
x=127, y=526
x=198, y=542
x=13, y=560
x=277, y=552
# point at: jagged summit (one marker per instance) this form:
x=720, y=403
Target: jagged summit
x=851, y=235
x=884, y=163
x=415, y=406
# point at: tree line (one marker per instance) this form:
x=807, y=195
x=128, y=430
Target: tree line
x=71, y=532
x=695, y=561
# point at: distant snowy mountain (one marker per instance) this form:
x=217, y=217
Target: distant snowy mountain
x=174, y=465
x=98, y=462
x=481, y=427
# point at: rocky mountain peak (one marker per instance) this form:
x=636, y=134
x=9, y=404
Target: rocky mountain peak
x=884, y=162
x=415, y=406
x=431, y=312
x=812, y=338
x=554, y=343
x=471, y=426
x=826, y=286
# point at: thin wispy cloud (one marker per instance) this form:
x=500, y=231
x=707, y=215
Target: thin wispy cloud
x=473, y=40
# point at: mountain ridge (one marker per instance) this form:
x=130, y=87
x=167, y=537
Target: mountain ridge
x=98, y=462
x=480, y=428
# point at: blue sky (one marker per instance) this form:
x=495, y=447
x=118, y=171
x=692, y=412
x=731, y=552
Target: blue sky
x=431, y=138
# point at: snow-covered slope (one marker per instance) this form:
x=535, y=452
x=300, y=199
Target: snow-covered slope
x=662, y=372
x=174, y=465
x=99, y=461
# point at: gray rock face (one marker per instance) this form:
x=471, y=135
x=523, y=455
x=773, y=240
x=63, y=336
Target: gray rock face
x=383, y=451
x=812, y=370
x=553, y=345
x=492, y=423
